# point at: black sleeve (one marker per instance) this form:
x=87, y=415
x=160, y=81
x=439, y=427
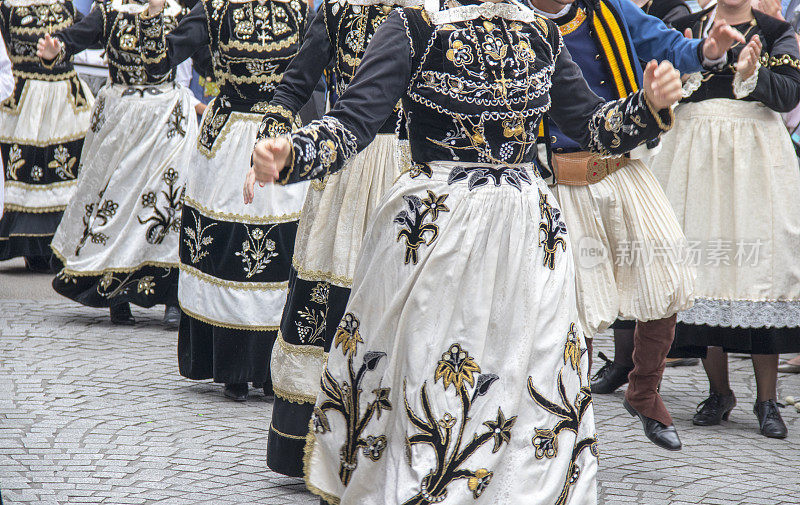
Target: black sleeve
x=606, y=128
x=324, y=146
x=162, y=52
x=676, y=12
x=201, y=62
x=778, y=84
x=299, y=80
x=84, y=34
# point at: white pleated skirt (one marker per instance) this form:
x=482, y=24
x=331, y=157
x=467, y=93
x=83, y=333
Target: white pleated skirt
x=460, y=338
x=127, y=208
x=731, y=174
x=627, y=245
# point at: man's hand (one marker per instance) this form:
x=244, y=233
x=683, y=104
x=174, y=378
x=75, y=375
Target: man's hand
x=721, y=38
x=771, y=8
x=48, y=48
x=154, y=7
x=662, y=84
x=748, y=58
x=269, y=158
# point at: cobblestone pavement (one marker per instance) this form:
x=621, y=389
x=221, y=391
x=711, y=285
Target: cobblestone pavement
x=91, y=413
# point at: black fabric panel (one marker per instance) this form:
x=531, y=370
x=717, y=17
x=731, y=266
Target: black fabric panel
x=145, y=287
x=623, y=324
x=312, y=312
x=226, y=355
x=15, y=228
x=691, y=340
x=42, y=165
x=284, y=454
x=226, y=239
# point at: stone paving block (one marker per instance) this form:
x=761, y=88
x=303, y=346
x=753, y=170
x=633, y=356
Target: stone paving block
x=91, y=413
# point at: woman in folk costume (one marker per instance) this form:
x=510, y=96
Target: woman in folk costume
x=235, y=259
x=42, y=127
x=731, y=175
x=459, y=371
x=332, y=223
x=118, y=240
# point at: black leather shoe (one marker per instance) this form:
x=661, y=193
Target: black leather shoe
x=172, y=317
x=769, y=419
x=236, y=392
x=121, y=314
x=714, y=409
x=610, y=377
x=665, y=437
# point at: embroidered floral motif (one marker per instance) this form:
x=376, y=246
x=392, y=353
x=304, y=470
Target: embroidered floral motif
x=176, y=120
x=146, y=285
x=414, y=228
x=481, y=176
x=545, y=441
x=257, y=251
x=446, y=435
x=37, y=173
x=112, y=284
x=197, y=239
x=167, y=218
x=551, y=231
x=15, y=162
x=96, y=216
x=63, y=163
x=345, y=398
x=98, y=115
x=312, y=327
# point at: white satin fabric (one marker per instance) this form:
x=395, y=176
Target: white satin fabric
x=480, y=288
x=130, y=155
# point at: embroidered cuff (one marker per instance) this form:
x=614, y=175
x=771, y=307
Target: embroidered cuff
x=664, y=117
x=286, y=173
x=60, y=57
x=743, y=87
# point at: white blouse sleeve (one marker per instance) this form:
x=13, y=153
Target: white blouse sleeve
x=6, y=78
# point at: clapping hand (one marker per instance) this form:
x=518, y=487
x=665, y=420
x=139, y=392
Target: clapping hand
x=662, y=84
x=48, y=48
x=721, y=38
x=269, y=158
x=748, y=58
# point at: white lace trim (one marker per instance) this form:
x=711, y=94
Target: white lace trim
x=741, y=87
x=743, y=313
x=692, y=84
x=486, y=10
x=400, y=3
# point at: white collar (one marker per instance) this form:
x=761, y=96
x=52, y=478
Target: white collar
x=172, y=8
x=551, y=15
x=488, y=10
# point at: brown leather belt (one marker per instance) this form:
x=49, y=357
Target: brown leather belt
x=583, y=168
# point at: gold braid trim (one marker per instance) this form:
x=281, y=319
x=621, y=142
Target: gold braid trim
x=308, y=450
x=657, y=116
x=121, y=270
x=223, y=133
x=285, y=435
x=229, y=326
x=27, y=235
x=297, y=398
x=41, y=187
x=244, y=286
x=45, y=77
x=239, y=218
x=12, y=207
x=43, y=143
x=320, y=276
x=305, y=350
x=776, y=61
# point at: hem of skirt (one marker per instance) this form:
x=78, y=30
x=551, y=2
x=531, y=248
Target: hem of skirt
x=297, y=398
x=85, y=295
x=91, y=273
x=43, y=142
x=320, y=276
x=714, y=319
x=311, y=440
x=16, y=246
x=230, y=326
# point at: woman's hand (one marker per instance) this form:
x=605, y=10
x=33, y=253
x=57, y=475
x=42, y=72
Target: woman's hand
x=269, y=158
x=48, y=48
x=154, y=7
x=721, y=38
x=770, y=8
x=662, y=84
x=748, y=58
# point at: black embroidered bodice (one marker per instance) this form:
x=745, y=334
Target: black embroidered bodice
x=251, y=44
x=474, y=82
x=778, y=81
x=113, y=26
x=337, y=39
x=23, y=23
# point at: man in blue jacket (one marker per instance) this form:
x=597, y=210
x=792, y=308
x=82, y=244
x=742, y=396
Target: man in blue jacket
x=625, y=236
